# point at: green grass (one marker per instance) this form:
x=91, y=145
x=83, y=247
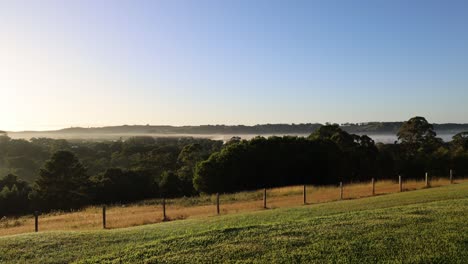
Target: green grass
x=424, y=226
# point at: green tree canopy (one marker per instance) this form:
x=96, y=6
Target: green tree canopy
x=416, y=130
x=326, y=132
x=13, y=195
x=117, y=185
x=460, y=141
x=62, y=183
x=10, y=180
x=418, y=135
x=170, y=185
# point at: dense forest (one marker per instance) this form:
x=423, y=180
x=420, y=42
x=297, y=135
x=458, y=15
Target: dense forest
x=50, y=174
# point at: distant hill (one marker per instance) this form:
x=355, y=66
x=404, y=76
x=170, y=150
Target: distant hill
x=204, y=129
x=392, y=127
x=371, y=128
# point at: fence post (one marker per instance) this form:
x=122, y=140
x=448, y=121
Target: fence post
x=104, y=217
x=164, y=209
x=36, y=221
x=217, y=203
x=400, y=183
x=427, y=180
x=305, y=194
x=373, y=187
x=264, y=198
x=341, y=190
x=451, y=176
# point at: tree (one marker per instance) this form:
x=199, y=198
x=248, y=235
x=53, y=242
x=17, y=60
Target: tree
x=272, y=162
x=13, y=195
x=359, y=153
x=111, y=186
x=117, y=185
x=459, y=153
x=170, y=185
x=62, y=183
x=234, y=140
x=185, y=175
x=418, y=135
x=10, y=180
x=460, y=142
x=416, y=131
x=189, y=156
x=208, y=176
x=334, y=133
x=326, y=132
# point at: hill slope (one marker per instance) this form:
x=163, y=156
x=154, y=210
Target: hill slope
x=371, y=128
x=413, y=227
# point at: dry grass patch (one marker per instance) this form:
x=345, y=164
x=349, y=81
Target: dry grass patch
x=150, y=211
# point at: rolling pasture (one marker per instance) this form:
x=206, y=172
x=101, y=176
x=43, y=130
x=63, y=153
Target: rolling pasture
x=421, y=226
x=150, y=211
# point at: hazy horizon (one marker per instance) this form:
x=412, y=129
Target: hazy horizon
x=163, y=125
x=104, y=63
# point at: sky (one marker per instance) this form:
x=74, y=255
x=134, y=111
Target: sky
x=98, y=63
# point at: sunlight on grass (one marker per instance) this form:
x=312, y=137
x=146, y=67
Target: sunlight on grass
x=150, y=211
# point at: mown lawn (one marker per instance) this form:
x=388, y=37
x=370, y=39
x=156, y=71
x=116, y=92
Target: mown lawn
x=424, y=226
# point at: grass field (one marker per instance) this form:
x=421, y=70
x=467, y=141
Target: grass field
x=423, y=226
x=150, y=211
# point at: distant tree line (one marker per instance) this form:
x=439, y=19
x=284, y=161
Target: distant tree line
x=261, y=129
x=59, y=174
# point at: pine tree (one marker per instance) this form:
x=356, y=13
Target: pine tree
x=62, y=183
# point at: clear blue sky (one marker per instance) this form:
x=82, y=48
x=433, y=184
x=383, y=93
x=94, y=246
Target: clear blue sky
x=96, y=63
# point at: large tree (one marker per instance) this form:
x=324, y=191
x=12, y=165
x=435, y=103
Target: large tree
x=418, y=135
x=62, y=183
x=326, y=132
x=460, y=142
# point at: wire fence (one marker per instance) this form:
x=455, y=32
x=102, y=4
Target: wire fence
x=110, y=217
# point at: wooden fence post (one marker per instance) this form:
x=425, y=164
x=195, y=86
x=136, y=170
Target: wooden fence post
x=164, y=209
x=264, y=198
x=104, y=217
x=373, y=187
x=217, y=203
x=400, y=183
x=36, y=221
x=427, y=180
x=305, y=194
x=451, y=176
x=341, y=190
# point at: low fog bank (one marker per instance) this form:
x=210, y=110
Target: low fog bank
x=383, y=138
